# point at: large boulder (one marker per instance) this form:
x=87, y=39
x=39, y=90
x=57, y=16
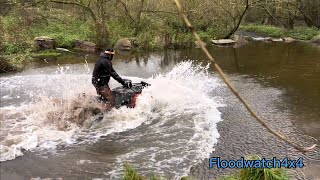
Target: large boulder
x=125, y=44
x=44, y=42
x=85, y=46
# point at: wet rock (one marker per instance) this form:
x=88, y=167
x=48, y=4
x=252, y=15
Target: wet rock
x=248, y=38
x=44, y=42
x=267, y=39
x=125, y=44
x=277, y=40
x=240, y=41
x=223, y=42
x=198, y=45
x=288, y=39
x=85, y=46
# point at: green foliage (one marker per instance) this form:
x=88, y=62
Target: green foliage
x=14, y=62
x=264, y=29
x=9, y=48
x=258, y=173
x=301, y=33
x=14, y=45
x=316, y=38
x=149, y=40
x=16, y=38
x=17, y=61
x=46, y=53
x=183, y=40
x=119, y=30
x=65, y=32
x=216, y=32
x=230, y=177
x=185, y=178
x=262, y=173
x=245, y=174
x=155, y=24
x=205, y=36
x=131, y=174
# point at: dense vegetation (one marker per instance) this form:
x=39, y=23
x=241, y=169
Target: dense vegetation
x=153, y=24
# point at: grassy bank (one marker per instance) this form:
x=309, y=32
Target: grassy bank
x=64, y=32
x=17, y=47
x=300, y=33
x=14, y=62
x=244, y=174
x=46, y=53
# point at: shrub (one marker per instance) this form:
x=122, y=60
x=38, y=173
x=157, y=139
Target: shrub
x=65, y=33
x=303, y=33
x=262, y=173
x=265, y=29
x=131, y=174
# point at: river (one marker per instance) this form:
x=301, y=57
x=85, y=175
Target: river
x=186, y=116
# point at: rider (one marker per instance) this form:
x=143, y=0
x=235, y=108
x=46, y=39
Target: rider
x=101, y=75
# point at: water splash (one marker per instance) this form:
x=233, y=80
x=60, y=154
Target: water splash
x=178, y=109
x=186, y=117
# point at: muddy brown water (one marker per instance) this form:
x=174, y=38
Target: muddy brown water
x=280, y=80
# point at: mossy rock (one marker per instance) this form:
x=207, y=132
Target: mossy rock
x=125, y=44
x=44, y=42
x=85, y=46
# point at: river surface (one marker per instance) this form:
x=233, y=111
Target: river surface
x=174, y=126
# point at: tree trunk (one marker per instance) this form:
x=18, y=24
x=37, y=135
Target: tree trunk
x=234, y=29
x=137, y=27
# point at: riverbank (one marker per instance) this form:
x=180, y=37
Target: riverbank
x=16, y=58
x=298, y=33
x=19, y=43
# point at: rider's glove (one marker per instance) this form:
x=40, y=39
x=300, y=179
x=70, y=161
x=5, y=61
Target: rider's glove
x=127, y=83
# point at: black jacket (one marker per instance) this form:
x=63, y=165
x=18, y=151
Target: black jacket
x=103, y=70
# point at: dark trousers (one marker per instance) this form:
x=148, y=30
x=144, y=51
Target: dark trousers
x=106, y=93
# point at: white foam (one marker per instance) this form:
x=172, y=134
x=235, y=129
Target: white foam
x=182, y=92
x=182, y=95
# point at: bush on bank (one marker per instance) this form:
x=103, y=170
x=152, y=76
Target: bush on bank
x=300, y=33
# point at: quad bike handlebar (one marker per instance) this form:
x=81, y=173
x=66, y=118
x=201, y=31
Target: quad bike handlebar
x=127, y=83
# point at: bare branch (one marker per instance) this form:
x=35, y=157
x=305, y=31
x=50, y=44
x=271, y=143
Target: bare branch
x=126, y=10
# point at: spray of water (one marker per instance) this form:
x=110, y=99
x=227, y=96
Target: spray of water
x=179, y=107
